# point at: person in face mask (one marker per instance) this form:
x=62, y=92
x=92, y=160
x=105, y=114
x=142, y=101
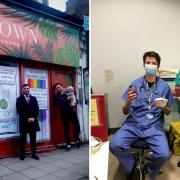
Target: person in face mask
x=145, y=119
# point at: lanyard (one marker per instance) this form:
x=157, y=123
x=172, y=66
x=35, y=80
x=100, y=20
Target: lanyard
x=150, y=97
x=149, y=101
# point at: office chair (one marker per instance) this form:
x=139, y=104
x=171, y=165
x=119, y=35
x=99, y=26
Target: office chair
x=142, y=154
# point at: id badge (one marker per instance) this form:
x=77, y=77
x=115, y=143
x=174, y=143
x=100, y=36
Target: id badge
x=149, y=115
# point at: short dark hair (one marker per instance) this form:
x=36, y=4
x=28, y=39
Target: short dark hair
x=58, y=84
x=152, y=54
x=24, y=85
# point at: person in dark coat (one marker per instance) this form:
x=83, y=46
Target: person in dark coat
x=67, y=115
x=28, y=110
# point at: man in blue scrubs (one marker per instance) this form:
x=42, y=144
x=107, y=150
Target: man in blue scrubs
x=145, y=119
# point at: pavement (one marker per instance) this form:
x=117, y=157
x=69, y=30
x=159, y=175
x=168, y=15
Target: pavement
x=53, y=165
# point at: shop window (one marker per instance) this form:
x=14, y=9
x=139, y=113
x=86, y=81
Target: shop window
x=9, y=91
x=38, y=82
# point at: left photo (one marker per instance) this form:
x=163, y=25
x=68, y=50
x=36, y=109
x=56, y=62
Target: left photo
x=44, y=89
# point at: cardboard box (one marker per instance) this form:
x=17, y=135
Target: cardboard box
x=176, y=147
x=174, y=137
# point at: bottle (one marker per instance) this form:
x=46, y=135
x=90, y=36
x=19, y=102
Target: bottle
x=132, y=88
x=177, y=85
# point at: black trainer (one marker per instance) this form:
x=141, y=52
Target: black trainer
x=35, y=157
x=78, y=144
x=68, y=148
x=22, y=157
x=135, y=174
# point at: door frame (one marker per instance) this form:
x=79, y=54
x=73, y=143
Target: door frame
x=65, y=70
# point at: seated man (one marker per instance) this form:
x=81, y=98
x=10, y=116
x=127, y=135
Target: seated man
x=145, y=119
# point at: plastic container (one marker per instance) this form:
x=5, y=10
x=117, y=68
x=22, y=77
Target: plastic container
x=160, y=102
x=95, y=144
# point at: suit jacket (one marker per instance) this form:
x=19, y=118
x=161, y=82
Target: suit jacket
x=25, y=111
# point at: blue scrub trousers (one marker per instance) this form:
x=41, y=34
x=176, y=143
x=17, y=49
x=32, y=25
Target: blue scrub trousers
x=155, y=138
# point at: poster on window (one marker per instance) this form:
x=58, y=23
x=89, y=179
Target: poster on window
x=38, y=82
x=9, y=91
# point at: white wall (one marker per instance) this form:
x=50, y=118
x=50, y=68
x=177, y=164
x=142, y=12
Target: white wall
x=121, y=31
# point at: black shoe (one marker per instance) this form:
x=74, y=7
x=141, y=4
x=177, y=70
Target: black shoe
x=78, y=144
x=68, y=148
x=35, y=157
x=22, y=157
x=145, y=169
x=135, y=174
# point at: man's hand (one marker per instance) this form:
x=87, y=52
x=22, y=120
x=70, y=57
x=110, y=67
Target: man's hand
x=173, y=92
x=31, y=120
x=132, y=95
x=166, y=110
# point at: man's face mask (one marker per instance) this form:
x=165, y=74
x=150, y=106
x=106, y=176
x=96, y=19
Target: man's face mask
x=150, y=69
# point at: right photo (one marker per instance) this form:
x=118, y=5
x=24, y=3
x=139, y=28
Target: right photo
x=135, y=90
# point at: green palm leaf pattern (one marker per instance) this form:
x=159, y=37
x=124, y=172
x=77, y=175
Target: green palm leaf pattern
x=69, y=53
x=20, y=16
x=49, y=50
x=69, y=33
x=59, y=56
x=17, y=52
x=68, y=78
x=48, y=29
x=45, y=54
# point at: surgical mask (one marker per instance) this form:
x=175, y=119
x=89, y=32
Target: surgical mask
x=150, y=69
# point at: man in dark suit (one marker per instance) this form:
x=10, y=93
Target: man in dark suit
x=28, y=109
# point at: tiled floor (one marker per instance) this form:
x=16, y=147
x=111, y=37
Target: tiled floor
x=170, y=171
x=54, y=165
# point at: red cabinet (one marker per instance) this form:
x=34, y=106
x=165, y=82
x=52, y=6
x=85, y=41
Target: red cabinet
x=99, y=126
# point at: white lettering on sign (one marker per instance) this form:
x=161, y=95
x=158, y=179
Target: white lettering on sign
x=8, y=30
x=41, y=95
x=35, y=74
x=4, y=33
x=8, y=125
x=19, y=32
x=7, y=77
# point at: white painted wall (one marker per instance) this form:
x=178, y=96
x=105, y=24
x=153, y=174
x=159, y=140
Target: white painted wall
x=83, y=108
x=121, y=31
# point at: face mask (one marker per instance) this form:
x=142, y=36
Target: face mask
x=150, y=69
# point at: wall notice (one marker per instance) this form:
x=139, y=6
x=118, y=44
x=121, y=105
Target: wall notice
x=94, y=113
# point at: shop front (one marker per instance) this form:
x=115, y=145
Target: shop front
x=41, y=52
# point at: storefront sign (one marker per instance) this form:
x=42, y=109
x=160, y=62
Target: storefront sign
x=26, y=35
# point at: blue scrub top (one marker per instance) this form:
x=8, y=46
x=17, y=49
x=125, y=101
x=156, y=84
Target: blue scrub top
x=139, y=107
